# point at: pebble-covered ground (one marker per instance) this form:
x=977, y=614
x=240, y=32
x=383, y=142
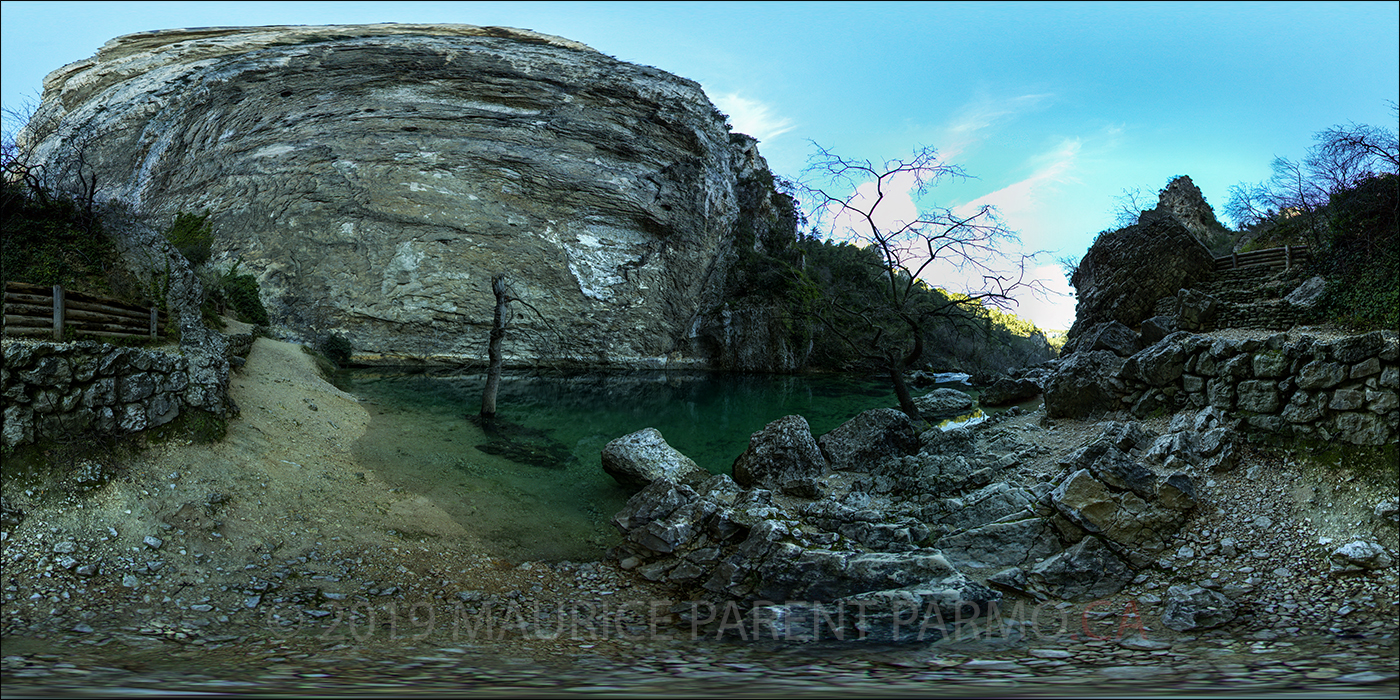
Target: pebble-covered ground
x=272, y=563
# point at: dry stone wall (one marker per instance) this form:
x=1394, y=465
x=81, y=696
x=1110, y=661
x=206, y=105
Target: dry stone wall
x=55, y=390
x=1343, y=389
x=1250, y=297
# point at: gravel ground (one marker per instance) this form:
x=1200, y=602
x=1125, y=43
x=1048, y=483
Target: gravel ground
x=272, y=563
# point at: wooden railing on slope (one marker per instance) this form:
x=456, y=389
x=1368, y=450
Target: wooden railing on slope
x=32, y=309
x=1284, y=257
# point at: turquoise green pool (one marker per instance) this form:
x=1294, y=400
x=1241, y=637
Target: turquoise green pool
x=536, y=490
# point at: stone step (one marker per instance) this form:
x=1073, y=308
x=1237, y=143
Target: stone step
x=1269, y=314
x=1250, y=297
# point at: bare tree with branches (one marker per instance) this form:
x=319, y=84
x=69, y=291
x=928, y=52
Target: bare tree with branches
x=500, y=322
x=1341, y=158
x=853, y=200
x=1129, y=206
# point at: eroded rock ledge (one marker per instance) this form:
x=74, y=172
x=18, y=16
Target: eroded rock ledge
x=375, y=177
x=872, y=526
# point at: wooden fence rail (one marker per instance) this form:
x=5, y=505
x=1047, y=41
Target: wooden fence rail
x=32, y=309
x=1283, y=257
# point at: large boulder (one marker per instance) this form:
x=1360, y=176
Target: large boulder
x=1006, y=390
x=644, y=456
x=1083, y=384
x=1158, y=365
x=1086, y=571
x=1193, y=607
x=1195, y=311
x=1110, y=335
x=1360, y=556
x=1125, y=272
x=412, y=162
x=1139, y=527
x=869, y=440
x=1309, y=293
x=943, y=403
x=1156, y=328
x=781, y=456
x=1000, y=544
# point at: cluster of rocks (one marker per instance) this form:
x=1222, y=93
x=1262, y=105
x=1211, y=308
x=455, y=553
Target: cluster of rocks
x=1343, y=388
x=53, y=390
x=878, y=517
x=1113, y=508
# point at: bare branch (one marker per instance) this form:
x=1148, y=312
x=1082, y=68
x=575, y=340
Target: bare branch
x=890, y=324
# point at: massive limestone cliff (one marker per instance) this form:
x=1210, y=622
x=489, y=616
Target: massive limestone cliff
x=375, y=177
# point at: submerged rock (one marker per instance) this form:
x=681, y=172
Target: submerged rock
x=642, y=457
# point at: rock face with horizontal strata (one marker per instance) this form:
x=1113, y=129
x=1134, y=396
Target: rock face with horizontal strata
x=374, y=177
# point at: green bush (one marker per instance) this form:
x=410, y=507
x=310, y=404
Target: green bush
x=193, y=236
x=335, y=347
x=242, y=291
x=48, y=239
x=1361, y=252
x=230, y=291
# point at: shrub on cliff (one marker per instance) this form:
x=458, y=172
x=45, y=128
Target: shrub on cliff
x=1361, y=253
x=335, y=347
x=50, y=239
x=193, y=236
x=227, y=290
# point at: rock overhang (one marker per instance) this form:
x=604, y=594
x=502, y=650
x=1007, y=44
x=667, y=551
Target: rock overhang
x=397, y=158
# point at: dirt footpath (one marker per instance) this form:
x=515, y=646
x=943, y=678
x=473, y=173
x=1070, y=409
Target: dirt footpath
x=275, y=532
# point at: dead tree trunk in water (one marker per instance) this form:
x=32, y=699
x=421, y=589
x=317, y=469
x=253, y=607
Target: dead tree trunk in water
x=493, y=351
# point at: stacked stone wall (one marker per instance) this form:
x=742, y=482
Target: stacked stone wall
x=1249, y=297
x=57, y=390
x=1344, y=389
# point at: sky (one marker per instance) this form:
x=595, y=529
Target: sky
x=1054, y=108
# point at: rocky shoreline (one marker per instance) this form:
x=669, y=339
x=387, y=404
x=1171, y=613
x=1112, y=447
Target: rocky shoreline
x=266, y=578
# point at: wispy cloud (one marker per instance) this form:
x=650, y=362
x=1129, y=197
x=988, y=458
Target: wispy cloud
x=1023, y=198
x=970, y=124
x=752, y=117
